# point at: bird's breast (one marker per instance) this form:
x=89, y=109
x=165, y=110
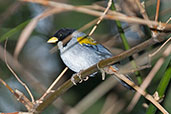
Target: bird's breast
x=78, y=57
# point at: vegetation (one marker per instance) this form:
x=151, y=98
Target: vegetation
x=35, y=80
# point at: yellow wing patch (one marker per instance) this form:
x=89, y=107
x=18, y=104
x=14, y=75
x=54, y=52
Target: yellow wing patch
x=86, y=40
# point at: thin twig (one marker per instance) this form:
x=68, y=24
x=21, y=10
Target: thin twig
x=168, y=20
x=151, y=55
x=24, y=100
x=154, y=32
x=157, y=10
x=19, y=95
x=142, y=10
x=147, y=80
x=30, y=27
x=7, y=86
x=34, y=82
x=101, y=17
x=53, y=84
x=19, y=80
x=141, y=91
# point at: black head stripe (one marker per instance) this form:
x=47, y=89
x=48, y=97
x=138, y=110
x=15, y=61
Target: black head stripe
x=63, y=33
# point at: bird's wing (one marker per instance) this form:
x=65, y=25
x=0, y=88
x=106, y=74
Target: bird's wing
x=99, y=49
x=90, y=43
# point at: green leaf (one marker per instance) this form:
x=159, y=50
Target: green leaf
x=13, y=31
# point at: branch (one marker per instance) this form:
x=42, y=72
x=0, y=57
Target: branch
x=149, y=77
x=15, y=75
x=112, y=16
x=142, y=92
x=19, y=95
x=142, y=10
x=30, y=27
x=68, y=84
x=164, y=83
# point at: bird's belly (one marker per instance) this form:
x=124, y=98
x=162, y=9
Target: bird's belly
x=80, y=60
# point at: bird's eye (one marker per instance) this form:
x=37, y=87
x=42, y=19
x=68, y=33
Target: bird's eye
x=60, y=35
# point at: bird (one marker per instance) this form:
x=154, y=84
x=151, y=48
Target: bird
x=81, y=51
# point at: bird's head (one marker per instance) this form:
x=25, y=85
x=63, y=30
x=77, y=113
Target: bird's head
x=60, y=35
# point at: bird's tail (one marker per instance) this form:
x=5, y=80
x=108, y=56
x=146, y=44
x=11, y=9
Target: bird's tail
x=122, y=82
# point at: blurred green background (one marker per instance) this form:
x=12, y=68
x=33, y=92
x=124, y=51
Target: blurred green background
x=44, y=66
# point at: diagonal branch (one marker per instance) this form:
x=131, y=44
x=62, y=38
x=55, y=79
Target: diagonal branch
x=24, y=73
x=15, y=75
x=68, y=84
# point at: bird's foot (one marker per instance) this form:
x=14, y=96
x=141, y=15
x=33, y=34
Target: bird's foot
x=79, y=76
x=102, y=70
x=75, y=75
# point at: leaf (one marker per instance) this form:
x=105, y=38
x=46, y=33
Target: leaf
x=14, y=30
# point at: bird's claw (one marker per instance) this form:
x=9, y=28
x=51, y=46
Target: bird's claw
x=85, y=79
x=73, y=79
x=102, y=71
x=79, y=76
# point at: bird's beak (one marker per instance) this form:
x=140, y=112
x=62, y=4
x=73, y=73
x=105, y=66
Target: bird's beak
x=52, y=40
